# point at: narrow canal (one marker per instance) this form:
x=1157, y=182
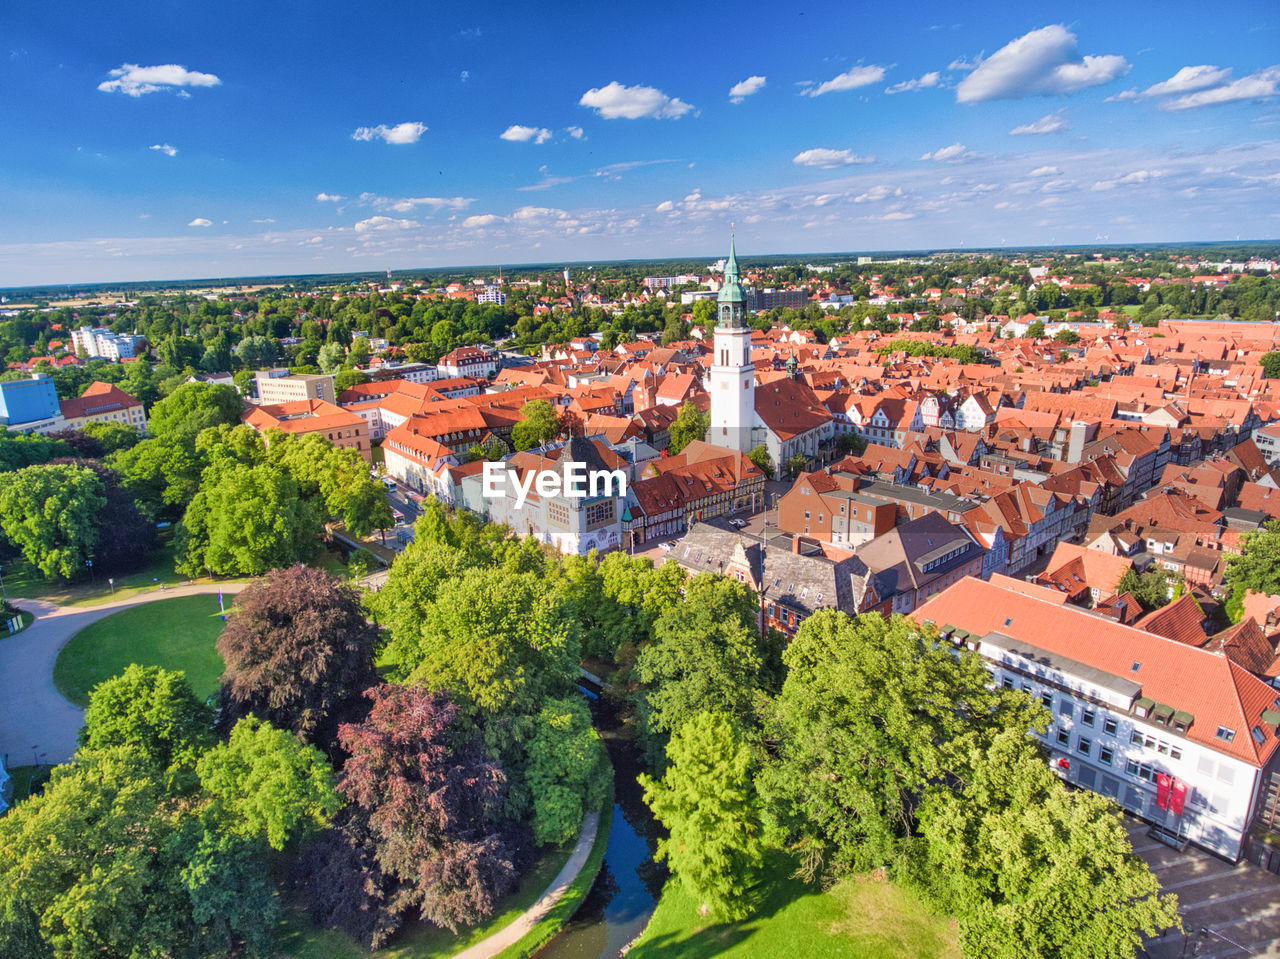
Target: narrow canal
x=621, y=901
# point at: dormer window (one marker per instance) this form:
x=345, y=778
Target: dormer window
x=1225, y=734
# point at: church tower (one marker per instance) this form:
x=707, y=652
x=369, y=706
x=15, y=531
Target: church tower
x=733, y=375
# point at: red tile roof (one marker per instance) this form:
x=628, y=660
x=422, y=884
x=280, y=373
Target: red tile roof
x=1216, y=691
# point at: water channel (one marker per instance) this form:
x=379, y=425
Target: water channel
x=622, y=898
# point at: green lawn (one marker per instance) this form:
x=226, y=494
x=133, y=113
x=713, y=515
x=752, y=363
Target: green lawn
x=21, y=579
x=859, y=918
x=173, y=633
x=297, y=937
x=22, y=777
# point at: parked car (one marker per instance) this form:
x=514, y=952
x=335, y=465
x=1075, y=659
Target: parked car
x=738, y=523
x=397, y=516
x=669, y=544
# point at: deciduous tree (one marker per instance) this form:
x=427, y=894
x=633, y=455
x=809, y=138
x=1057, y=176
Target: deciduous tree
x=709, y=806
x=539, y=426
x=51, y=514
x=690, y=424
x=152, y=710
x=193, y=407
x=299, y=653
x=434, y=801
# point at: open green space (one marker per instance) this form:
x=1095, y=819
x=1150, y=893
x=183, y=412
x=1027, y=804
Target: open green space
x=862, y=917
x=25, y=778
x=22, y=580
x=298, y=937
x=173, y=633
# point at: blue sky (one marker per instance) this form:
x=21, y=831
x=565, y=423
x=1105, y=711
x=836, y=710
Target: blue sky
x=159, y=140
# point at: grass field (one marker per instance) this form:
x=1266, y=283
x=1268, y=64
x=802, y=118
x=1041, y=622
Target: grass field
x=172, y=633
x=22, y=580
x=859, y=918
x=300, y=939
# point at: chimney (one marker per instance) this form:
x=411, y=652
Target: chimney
x=795, y=545
x=1075, y=444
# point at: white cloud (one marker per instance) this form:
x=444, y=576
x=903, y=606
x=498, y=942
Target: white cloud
x=616, y=101
x=960, y=63
x=859, y=76
x=827, y=159
x=526, y=213
x=1264, y=83
x=879, y=192
x=740, y=91
x=384, y=223
x=666, y=206
x=399, y=134
x=133, y=80
x=482, y=220
x=576, y=132
x=1137, y=176
x=898, y=215
x=952, y=154
x=329, y=197
x=265, y=219
x=1045, y=171
x=1050, y=123
x=1042, y=62
x=164, y=148
x=1188, y=79
x=522, y=134
x=408, y=204
x=921, y=83
x=200, y=221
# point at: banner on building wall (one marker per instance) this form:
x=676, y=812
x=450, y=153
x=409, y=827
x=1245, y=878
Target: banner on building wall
x=1177, y=797
x=1163, y=786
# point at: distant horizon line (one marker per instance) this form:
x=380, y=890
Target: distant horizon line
x=559, y=265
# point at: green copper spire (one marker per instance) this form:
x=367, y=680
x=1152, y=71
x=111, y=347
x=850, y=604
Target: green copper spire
x=732, y=301
x=731, y=267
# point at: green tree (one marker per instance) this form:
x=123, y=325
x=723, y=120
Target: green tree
x=266, y=784
x=346, y=379
x=1257, y=568
x=539, y=426
x=499, y=642
x=250, y=520
x=332, y=356
x=112, y=436
x=1031, y=868
x=162, y=474
x=690, y=424
x=51, y=513
x=871, y=712
x=1151, y=588
x=764, y=462
x=706, y=653
x=1270, y=363
x=1066, y=337
x=564, y=770
x=796, y=464
x=193, y=407
x=152, y=710
x=256, y=352
x=708, y=805
x=1036, y=329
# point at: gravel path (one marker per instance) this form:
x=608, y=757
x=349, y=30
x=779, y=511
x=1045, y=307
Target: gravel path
x=35, y=721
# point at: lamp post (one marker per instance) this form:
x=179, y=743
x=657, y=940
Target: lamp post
x=89, y=563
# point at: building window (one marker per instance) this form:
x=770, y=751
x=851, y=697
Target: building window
x=1006, y=682
x=1109, y=726
x=1083, y=746
x=1087, y=716
x=1046, y=700
x=1131, y=767
x=1105, y=754
x=1135, y=738
x=1064, y=737
x=1066, y=709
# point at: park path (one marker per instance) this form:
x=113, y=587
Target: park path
x=36, y=723
x=511, y=934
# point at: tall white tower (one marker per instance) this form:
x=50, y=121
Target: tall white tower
x=733, y=375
